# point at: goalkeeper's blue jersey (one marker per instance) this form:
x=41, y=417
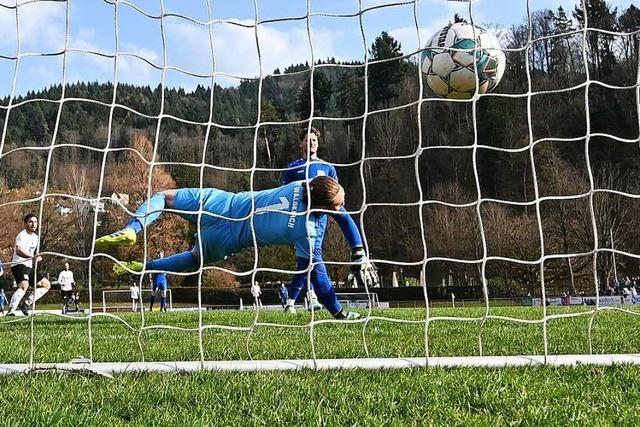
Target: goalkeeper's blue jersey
x=279, y=218
x=225, y=227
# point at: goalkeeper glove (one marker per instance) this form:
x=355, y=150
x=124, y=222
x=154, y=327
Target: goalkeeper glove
x=364, y=271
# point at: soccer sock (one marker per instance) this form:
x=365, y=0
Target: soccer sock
x=16, y=298
x=147, y=213
x=163, y=303
x=299, y=280
x=323, y=289
x=183, y=261
x=36, y=295
x=291, y=302
x=153, y=299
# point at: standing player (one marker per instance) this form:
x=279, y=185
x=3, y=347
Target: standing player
x=307, y=167
x=66, y=281
x=134, y=293
x=24, y=256
x=256, y=292
x=229, y=222
x=159, y=287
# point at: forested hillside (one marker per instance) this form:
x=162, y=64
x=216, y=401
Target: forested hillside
x=569, y=125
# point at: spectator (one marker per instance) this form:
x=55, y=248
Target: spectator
x=256, y=292
x=134, y=292
x=66, y=282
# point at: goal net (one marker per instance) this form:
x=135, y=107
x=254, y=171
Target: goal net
x=528, y=192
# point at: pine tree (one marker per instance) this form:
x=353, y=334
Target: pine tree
x=561, y=47
x=269, y=134
x=385, y=76
x=322, y=91
x=598, y=14
x=629, y=22
x=350, y=100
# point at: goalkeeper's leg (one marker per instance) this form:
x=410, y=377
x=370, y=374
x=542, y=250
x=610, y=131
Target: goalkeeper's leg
x=300, y=280
x=149, y=212
x=180, y=262
x=323, y=289
x=145, y=215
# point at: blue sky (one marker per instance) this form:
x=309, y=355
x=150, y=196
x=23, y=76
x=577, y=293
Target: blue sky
x=91, y=27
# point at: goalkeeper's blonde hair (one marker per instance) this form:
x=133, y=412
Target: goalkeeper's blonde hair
x=324, y=191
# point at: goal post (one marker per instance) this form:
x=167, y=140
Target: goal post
x=123, y=295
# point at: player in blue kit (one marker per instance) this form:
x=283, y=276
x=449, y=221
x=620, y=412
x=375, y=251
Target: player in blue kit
x=159, y=287
x=297, y=170
x=228, y=221
x=309, y=166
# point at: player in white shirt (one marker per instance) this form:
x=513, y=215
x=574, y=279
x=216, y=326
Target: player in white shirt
x=135, y=295
x=24, y=255
x=256, y=292
x=66, y=282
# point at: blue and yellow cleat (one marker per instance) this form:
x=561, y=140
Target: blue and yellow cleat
x=125, y=237
x=128, y=268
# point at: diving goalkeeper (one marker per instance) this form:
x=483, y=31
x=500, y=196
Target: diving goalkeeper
x=226, y=223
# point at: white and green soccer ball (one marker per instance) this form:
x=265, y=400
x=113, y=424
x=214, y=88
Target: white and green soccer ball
x=448, y=62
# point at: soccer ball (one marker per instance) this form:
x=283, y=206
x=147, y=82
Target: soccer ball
x=447, y=61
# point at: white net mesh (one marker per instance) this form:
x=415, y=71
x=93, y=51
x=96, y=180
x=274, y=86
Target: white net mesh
x=493, y=237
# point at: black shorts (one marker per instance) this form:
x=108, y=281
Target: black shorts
x=66, y=294
x=21, y=273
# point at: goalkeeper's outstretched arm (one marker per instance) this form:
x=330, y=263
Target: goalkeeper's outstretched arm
x=363, y=270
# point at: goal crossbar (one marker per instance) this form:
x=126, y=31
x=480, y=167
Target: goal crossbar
x=329, y=364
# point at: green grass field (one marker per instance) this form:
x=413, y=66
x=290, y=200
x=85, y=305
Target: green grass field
x=534, y=395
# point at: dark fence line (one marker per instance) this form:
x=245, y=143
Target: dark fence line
x=403, y=296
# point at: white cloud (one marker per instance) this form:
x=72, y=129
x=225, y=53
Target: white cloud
x=90, y=67
x=188, y=46
x=235, y=48
x=42, y=26
x=134, y=70
x=408, y=37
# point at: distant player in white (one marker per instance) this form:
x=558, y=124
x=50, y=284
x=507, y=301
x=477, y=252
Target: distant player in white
x=66, y=282
x=134, y=291
x=22, y=264
x=256, y=292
